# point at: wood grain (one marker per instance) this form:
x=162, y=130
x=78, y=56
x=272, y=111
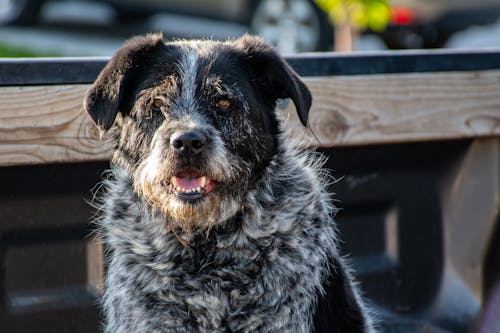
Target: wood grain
x=360, y=110
x=46, y=124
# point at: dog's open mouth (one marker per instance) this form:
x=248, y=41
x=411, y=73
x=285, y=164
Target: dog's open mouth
x=191, y=185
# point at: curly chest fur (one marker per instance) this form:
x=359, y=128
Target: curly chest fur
x=259, y=272
x=226, y=281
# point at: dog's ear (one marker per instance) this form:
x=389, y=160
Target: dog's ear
x=105, y=98
x=275, y=75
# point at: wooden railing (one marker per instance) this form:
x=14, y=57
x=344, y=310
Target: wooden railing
x=453, y=96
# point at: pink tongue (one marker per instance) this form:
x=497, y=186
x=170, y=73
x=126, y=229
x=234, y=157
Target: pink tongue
x=188, y=183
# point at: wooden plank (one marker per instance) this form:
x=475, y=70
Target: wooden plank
x=360, y=110
x=46, y=124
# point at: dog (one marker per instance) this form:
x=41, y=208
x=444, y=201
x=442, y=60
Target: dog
x=212, y=221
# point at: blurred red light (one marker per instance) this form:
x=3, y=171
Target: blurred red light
x=402, y=15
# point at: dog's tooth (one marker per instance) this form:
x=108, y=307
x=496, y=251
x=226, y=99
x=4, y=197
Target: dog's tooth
x=203, y=181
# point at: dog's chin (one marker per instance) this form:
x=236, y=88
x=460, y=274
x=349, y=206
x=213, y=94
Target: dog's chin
x=191, y=204
x=199, y=211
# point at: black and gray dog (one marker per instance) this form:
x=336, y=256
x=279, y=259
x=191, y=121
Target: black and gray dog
x=213, y=223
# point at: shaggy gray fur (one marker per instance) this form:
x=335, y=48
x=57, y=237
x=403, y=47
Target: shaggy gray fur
x=254, y=263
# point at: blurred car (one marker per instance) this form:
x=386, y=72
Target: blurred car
x=430, y=23
x=291, y=25
x=297, y=25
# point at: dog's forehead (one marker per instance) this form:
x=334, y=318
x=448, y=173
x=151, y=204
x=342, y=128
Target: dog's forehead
x=202, y=60
x=191, y=73
x=201, y=49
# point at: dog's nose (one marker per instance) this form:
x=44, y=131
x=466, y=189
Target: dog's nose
x=192, y=141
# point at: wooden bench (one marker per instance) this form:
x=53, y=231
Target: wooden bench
x=414, y=138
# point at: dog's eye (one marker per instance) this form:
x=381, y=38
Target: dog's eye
x=158, y=103
x=223, y=104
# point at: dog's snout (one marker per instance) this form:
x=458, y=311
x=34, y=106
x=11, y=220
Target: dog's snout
x=188, y=142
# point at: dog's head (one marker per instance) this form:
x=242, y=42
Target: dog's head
x=194, y=122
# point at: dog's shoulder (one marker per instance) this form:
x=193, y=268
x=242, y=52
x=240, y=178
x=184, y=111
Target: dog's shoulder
x=295, y=207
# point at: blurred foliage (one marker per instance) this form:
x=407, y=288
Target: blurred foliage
x=7, y=51
x=361, y=14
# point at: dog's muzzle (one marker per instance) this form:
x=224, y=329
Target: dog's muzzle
x=190, y=184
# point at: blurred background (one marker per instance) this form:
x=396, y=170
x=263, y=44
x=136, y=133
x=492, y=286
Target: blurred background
x=97, y=28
